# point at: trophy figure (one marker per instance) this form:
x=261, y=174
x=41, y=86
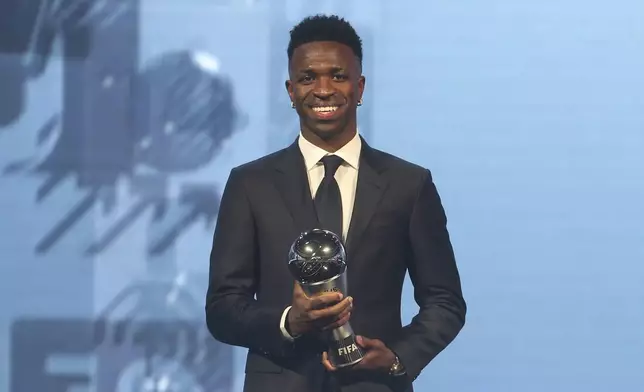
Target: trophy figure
x=317, y=260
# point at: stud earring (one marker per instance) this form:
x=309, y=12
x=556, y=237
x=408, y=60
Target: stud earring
x=292, y=105
x=360, y=102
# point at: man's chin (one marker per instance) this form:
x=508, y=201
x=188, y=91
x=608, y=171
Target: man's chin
x=326, y=133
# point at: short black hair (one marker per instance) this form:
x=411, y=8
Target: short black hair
x=325, y=28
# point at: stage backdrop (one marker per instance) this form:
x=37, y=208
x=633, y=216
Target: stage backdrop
x=120, y=121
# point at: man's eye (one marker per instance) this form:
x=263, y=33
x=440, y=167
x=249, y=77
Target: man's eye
x=306, y=78
x=340, y=77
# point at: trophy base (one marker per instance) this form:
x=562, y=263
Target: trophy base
x=345, y=352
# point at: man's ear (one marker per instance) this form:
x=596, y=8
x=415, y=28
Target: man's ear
x=289, y=90
x=361, y=84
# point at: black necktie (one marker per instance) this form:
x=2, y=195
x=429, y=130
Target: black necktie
x=328, y=202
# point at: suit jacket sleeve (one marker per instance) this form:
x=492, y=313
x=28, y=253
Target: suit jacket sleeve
x=233, y=315
x=437, y=288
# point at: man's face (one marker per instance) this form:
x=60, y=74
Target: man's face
x=325, y=85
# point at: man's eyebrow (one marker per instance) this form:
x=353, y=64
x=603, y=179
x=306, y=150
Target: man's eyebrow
x=332, y=69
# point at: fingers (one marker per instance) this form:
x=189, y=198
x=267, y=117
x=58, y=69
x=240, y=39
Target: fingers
x=327, y=364
x=324, y=300
x=367, y=361
x=342, y=319
x=324, y=311
x=333, y=311
x=367, y=343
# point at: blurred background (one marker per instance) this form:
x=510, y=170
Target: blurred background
x=121, y=119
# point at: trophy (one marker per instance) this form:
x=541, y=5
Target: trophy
x=317, y=260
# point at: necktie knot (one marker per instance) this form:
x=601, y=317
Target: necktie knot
x=331, y=164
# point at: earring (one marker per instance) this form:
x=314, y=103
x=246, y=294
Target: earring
x=292, y=105
x=360, y=102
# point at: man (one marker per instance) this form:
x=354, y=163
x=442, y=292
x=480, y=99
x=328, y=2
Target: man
x=387, y=211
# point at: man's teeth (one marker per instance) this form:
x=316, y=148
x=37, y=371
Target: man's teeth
x=324, y=109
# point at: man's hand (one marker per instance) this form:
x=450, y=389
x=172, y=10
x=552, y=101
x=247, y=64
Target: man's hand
x=321, y=312
x=377, y=356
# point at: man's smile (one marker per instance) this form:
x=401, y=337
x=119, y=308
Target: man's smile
x=327, y=111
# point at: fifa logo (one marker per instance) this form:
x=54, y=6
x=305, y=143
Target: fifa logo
x=346, y=350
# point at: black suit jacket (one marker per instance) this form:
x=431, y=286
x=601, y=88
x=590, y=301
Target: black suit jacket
x=398, y=225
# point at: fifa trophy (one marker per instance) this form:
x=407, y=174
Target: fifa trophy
x=317, y=260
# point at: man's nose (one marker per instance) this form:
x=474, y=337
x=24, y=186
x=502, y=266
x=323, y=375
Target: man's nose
x=323, y=87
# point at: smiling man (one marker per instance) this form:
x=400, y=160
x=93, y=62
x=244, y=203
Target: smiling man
x=326, y=85
x=386, y=210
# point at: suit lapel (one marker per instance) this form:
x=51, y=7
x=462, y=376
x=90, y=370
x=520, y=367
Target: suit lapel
x=370, y=188
x=293, y=184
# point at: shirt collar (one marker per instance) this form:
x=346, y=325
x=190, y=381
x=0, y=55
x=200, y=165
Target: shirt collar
x=312, y=154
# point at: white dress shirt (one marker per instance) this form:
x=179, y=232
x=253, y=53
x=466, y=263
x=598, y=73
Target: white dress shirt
x=346, y=176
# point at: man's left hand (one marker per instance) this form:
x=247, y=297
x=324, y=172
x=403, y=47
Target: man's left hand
x=377, y=356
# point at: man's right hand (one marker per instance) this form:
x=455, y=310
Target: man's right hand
x=321, y=312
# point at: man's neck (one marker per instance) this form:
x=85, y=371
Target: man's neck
x=332, y=144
